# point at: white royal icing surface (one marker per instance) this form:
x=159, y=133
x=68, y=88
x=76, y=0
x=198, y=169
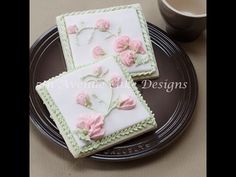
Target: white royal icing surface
x=126, y=19
x=65, y=89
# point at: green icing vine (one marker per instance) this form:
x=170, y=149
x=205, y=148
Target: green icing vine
x=94, y=29
x=59, y=120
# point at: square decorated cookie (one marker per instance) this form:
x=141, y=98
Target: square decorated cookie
x=120, y=32
x=96, y=106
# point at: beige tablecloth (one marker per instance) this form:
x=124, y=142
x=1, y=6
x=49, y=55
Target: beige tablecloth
x=185, y=158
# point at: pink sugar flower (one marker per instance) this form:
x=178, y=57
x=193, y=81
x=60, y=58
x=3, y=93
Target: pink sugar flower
x=98, y=52
x=93, y=124
x=126, y=103
x=136, y=46
x=115, y=80
x=127, y=57
x=83, y=99
x=121, y=43
x=102, y=25
x=72, y=29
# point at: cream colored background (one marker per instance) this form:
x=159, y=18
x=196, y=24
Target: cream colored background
x=185, y=158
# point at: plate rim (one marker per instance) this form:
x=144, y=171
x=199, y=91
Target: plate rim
x=53, y=30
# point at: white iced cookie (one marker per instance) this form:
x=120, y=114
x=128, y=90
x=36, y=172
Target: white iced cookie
x=96, y=106
x=120, y=32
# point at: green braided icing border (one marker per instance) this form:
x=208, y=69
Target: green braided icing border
x=65, y=43
x=59, y=120
x=66, y=46
x=117, y=137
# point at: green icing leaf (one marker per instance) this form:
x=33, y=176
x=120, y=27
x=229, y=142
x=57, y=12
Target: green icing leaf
x=109, y=36
x=82, y=23
x=119, y=31
x=99, y=99
x=141, y=60
x=104, y=73
x=83, y=134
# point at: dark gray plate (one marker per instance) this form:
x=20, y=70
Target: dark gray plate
x=173, y=110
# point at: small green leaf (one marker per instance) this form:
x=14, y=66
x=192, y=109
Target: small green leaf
x=109, y=36
x=88, y=103
x=83, y=134
x=99, y=99
x=85, y=137
x=141, y=60
x=103, y=74
x=82, y=23
x=83, y=131
x=95, y=96
x=119, y=31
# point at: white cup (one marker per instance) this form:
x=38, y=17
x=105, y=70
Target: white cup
x=185, y=19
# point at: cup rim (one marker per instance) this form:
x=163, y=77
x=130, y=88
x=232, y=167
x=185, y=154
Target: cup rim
x=181, y=13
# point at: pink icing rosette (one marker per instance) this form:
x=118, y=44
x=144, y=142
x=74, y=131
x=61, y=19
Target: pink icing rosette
x=83, y=99
x=126, y=103
x=98, y=52
x=121, y=43
x=72, y=29
x=115, y=80
x=102, y=25
x=136, y=46
x=93, y=123
x=127, y=57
